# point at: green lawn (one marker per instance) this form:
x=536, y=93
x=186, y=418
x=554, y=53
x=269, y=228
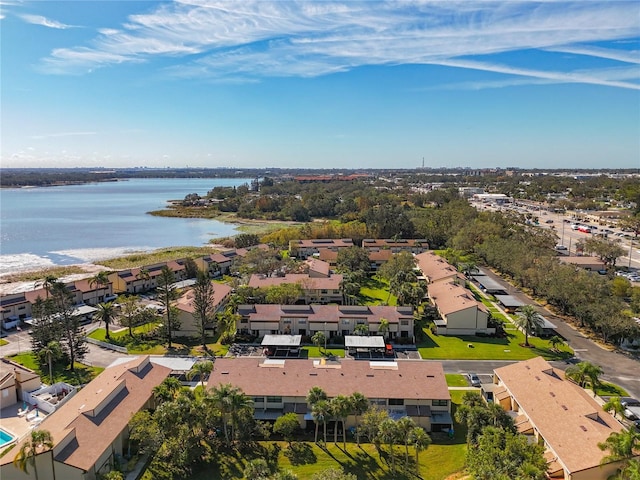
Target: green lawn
x=3, y=342
x=456, y=380
x=82, y=373
x=436, y=463
x=440, y=347
x=376, y=292
x=315, y=352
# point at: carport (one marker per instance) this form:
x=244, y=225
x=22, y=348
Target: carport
x=364, y=347
x=509, y=302
x=281, y=345
x=487, y=284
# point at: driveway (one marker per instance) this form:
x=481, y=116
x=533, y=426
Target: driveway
x=618, y=368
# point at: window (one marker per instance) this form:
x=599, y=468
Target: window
x=258, y=399
x=404, y=322
x=378, y=401
x=396, y=401
x=274, y=399
x=286, y=322
x=22, y=307
x=244, y=320
x=439, y=403
x=302, y=321
x=345, y=321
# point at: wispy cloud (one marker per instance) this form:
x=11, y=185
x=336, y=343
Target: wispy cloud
x=255, y=38
x=44, y=21
x=61, y=134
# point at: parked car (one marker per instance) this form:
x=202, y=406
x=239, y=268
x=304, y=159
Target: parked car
x=474, y=380
x=560, y=247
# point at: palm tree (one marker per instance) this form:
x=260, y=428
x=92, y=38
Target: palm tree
x=315, y=395
x=130, y=309
x=556, y=341
x=530, y=321
x=231, y=402
x=585, y=373
x=37, y=442
x=100, y=279
x=621, y=445
x=145, y=276
x=200, y=369
x=239, y=403
x=49, y=353
x=321, y=412
x=383, y=328
x=106, y=314
x=388, y=431
x=421, y=441
x=613, y=405
x=319, y=338
x=341, y=407
x=405, y=426
x=168, y=390
x=47, y=283
x=359, y=405
x=361, y=329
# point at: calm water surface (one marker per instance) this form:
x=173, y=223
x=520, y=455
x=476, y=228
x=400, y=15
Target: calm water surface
x=80, y=223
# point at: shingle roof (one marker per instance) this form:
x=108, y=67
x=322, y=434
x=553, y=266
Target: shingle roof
x=417, y=380
x=324, y=313
x=307, y=282
x=98, y=413
x=434, y=267
x=450, y=298
x=568, y=418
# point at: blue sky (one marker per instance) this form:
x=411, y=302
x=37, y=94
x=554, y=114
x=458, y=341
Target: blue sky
x=320, y=84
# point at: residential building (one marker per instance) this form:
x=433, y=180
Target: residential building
x=90, y=431
x=141, y=279
x=414, y=246
x=318, y=268
x=377, y=258
x=333, y=320
x=435, y=268
x=409, y=388
x=15, y=380
x=460, y=313
x=186, y=311
x=306, y=248
x=321, y=290
x=556, y=413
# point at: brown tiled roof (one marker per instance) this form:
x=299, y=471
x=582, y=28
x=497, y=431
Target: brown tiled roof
x=318, y=266
x=326, y=313
x=307, y=282
x=100, y=411
x=415, y=380
x=434, y=267
x=566, y=416
x=327, y=255
x=325, y=243
x=220, y=292
x=450, y=298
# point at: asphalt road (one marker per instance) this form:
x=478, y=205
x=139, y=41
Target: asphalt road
x=619, y=368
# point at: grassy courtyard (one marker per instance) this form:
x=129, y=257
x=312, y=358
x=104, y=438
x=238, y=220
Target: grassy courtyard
x=441, y=347
x=80, y=375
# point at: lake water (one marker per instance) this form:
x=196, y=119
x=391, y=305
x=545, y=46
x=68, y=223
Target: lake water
x=43, y=227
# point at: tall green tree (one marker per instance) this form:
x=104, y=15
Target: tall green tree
x=359, y=405
x=37, y=442
x=503, y=454
x=621, y=445
x=389, y=433
x=100, y=280
x=529, y=320
x=585, y=373
x=106, y=314
x=167, y=294
x=420, y=441
x=613, y=405
x=129, y=311
x=341, y=408
x=315, y=395
x=200, y=369
x=287, y=425
x=49, y=354
x=73, y=337
x=203, y=304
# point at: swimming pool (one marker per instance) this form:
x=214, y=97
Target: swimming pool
x=5, y=438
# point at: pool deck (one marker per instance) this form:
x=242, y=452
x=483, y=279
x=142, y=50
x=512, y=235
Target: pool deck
x=17, y=426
